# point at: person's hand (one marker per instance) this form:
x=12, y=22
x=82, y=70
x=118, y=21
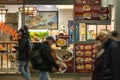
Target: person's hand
x=54, y=69
x=60, y=70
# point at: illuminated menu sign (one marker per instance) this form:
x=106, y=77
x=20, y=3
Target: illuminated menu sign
x=91, y=10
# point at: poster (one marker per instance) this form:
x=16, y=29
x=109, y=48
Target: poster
x=43, y=20
x=82, y=33
x=91, y=32
x=71, y=31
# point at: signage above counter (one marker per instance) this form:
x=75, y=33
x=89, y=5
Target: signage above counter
x=91, y=10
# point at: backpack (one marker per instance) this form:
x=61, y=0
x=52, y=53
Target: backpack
x=35, y=56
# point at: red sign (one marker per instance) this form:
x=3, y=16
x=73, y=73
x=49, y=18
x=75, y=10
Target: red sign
x=91, y=10
x=84, y=58
x=62, y=40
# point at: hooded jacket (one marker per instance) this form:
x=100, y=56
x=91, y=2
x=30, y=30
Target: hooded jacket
x=22, y=49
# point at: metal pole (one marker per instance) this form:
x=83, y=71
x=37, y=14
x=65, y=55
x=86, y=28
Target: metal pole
x=23, y=14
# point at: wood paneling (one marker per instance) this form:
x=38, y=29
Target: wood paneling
x=11, y=1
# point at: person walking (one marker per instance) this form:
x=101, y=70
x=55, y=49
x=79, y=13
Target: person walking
x=49, y=62
x=115, y=35
x=98, y=61
x=110, y=60
x=23, y=55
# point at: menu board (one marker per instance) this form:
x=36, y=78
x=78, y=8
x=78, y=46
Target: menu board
x=91, y=10
x=62, y=40
x=64, y=58
x=84, y=58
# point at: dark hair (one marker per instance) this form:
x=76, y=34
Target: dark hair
x=25, y=28
x=114, y=34
x=60, y=34
x=97, y=38
x=26, y=32
x=21, y=30
x=50, y=38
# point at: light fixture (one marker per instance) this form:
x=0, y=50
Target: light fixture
x=28, y=10
x=3, y=11
x=64, y=6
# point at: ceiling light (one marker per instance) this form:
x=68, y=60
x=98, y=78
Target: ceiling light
x=28, y=10
x=64, y=6
x=3, y=11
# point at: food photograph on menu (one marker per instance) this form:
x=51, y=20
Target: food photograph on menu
x=91, y=10
x=64, y=58
x=84, y=58
x=62, y=40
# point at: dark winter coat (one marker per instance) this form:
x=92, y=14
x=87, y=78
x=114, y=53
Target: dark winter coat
x=111, y=62
x=108, y=65
x=22, y=48
x=46, y=54
x=97, y=68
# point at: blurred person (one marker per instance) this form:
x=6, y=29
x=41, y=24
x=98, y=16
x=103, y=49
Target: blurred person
x=49, y=62
x=23, y=55
x=25, y=28
x=98, y=61
x=115, y=35
x=25, y=32
x=110, y=60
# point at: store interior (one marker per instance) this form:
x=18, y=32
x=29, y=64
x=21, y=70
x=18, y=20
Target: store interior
x=50, y=20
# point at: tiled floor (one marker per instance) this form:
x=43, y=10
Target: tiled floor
x=53, y=76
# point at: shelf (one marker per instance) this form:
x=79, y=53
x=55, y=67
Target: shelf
x=8, y=42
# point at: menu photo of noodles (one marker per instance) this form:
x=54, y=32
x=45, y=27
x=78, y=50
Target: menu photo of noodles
x=64, y=58
x=62, y=40
x=62, y=65
x=64, y=55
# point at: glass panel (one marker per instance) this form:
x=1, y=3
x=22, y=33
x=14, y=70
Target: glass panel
x=111, y=27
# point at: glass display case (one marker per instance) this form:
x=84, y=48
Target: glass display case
x=8, y=56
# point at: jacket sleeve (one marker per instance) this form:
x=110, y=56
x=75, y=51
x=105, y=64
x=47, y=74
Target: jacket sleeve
x=47, y=53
